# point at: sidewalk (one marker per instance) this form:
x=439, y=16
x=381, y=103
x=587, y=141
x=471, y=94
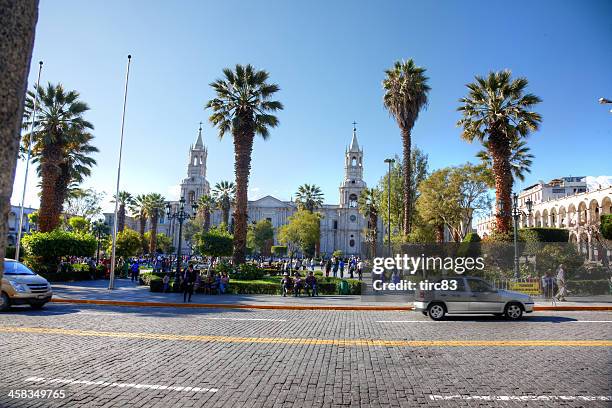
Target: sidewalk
x=127, y=293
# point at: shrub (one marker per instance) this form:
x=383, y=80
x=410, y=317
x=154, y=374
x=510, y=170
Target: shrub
x=543, y=234
x=45, y=249
x=588, y=287
x=248, y=272
x=129, y=243
x=279, y=250
x=472, y=237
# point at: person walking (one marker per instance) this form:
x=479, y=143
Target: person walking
x=341, y=268
x=189, y=278
x=560, y=296
x=134, y=269
x=360, y=269
x=328, y=266
x=335, y=268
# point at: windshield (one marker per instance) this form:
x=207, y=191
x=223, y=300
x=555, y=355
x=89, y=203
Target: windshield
x=16, y=268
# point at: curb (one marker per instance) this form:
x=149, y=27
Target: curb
x=292, y=307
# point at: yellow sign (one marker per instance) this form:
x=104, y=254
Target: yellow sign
x=529, y=288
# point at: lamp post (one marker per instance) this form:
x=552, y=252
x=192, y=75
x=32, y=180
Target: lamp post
x=99, y=228
x=515, y=212
x=390, y=162
x=180, y=215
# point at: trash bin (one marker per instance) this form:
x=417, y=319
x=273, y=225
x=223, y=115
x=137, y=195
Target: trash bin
x=343, y=288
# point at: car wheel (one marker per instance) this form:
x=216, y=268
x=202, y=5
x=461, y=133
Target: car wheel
x=5, y=303
x=37, y=305
x=436, y=311
x=513, y=311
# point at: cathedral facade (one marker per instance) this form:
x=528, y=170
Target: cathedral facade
x=342, y=226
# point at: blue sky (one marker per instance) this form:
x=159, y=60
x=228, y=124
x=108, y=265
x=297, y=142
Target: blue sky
x=329, y=59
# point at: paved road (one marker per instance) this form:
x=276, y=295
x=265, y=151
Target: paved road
x=158, y=357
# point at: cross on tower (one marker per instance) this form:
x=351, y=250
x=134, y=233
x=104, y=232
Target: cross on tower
x=354, y=123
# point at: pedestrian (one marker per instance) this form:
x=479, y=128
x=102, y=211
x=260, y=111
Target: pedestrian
x=328, y=266
x=360, y=269
x=342, y=268
x=189, y=278
x=166, y=281
x=134, y=269
x=560, y=296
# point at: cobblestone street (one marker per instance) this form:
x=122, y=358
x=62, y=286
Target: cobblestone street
x=161, y=357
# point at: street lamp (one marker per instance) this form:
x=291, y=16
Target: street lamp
x=180, y=215
x=390, y=162
x=99, y=228
x=515, y=212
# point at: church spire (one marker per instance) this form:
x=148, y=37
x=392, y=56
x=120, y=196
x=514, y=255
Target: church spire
x=199, y=144
x=354, y=147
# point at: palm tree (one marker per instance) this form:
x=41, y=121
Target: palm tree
x=369, y=205
x=309, y=197
x=243, y=106
x=125, y=200
x=154, y=205
x=19, y=21
x=138, y=208
x=61, y=147
x=497, y=112
x=406, y=91
x=520, y=158
x=224, y=194
x=206, y=205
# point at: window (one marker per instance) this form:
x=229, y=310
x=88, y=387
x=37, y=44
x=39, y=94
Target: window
x=353, y=218
x=354, y=161
x=335, y=224
x=16, y=268
x=352, y=243
x=477, y=285
x=353, y=201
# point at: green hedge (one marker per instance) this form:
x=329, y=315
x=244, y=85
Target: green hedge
x=76, y=272
x=606, y=226
x=589, y=287
x=538, y=234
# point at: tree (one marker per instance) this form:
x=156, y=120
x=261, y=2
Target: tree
x=449, y=198
x=138, y=208
x=369, y=204
x=497, y=112
x=128, y=243
x=260, y=234
x=79, y=224
x=125, y=201
x=163, y=242
x=33, y=219
x=520, y=160
x=216, y=242
x=418, y=173
x=206, y=205
x=302, y=232
x=309, y=197
x=84, y=203
x=224, y=194
x=18, y=21
x=154, y=205
x=61, y=147
x=243, y=106
x=406, y=92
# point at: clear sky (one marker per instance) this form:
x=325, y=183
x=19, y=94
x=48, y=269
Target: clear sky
x=328, y=58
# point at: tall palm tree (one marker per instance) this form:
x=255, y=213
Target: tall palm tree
x=224, y=194
x=497, y=112
x=206, y=205
x=243, y=106
x=125, y=200
x=138, y=208
x=61, y=146
x=369, y=205
x=520, y=158
x=309, y=197
x=18, y=21
x=154, y=206
x=406, y=92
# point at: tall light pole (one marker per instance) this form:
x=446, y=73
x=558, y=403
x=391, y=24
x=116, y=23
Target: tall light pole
x=111, y=283
x=390, y=162
x=515, y=212
x=25, y=179
x=180, y=215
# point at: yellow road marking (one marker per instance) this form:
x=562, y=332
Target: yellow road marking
x=304, y=341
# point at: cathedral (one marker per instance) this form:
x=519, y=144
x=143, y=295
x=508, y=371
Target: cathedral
x=342, y=226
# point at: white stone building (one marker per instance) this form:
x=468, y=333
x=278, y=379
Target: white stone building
x=13, y=223
x=562, y=203
x=342, y=226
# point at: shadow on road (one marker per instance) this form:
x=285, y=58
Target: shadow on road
x=495, y=319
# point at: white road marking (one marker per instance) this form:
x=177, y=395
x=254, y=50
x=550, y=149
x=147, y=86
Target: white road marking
x=522, y=397
x=118, y=385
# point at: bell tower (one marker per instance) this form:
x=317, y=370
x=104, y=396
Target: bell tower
x=196, y=185
x=353, y=173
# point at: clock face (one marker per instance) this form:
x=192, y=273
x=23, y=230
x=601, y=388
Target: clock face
x=353, y=218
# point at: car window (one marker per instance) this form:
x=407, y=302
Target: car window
x=477, y=285
x=16, y=268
